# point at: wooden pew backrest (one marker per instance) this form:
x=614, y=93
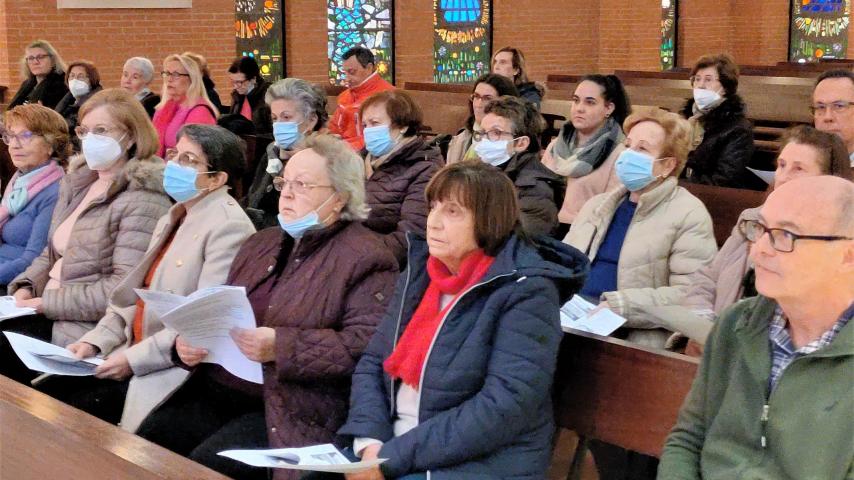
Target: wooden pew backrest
x=620, y=393
x=724, y=205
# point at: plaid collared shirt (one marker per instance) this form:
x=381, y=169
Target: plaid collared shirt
x=783, y=351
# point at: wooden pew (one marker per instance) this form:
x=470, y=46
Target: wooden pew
x=618, y=392
x=724, y=205
x=43, y=438
x=3, y=89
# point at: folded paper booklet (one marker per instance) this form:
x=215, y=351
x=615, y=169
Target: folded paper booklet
x=204, y=319
x=578, y=314
x=317, y=458
x=8, y=309
x=48, y=358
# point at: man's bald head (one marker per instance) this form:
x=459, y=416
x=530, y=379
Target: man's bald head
x=825, y=204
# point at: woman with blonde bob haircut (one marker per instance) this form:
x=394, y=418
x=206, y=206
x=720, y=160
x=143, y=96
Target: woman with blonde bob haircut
x=646, y=237
x=43, y=75
x=109, y=203
x=183, y=100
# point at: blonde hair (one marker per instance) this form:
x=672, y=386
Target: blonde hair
x=58, y=63
x=127, y=112
x=677, y=134
x=196, y=90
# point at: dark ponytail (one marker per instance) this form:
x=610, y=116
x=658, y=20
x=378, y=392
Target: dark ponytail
x=613, y=91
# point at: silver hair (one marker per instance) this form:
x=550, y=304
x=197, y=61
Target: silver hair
x=310, y=98
x=142, y=64
x=346, y=171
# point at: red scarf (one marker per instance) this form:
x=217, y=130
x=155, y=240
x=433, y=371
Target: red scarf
x=407, y=360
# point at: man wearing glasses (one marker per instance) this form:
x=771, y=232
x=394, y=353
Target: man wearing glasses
x=774, y=394
x=832, y=99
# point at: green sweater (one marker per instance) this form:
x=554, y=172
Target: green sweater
x=809, y=430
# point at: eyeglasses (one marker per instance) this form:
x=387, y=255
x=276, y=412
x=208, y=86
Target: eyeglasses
x=78, y=76
x=23, y=138
x=297, y=186
x=493, y=135
x=173, y=75
x=695, y=80
x=82, y=131
x=36, y=58
x=239, y=83
x=186, y=159
x=782, y=240
x=835, y=107
x=481, y=98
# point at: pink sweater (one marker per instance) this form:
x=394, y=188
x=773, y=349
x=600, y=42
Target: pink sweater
x=169, y=118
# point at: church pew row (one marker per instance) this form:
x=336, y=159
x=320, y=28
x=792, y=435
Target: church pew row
x=43, y=438
x=618, y=392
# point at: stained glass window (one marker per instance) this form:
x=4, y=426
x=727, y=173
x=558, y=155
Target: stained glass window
x=259, y=30
x=462, y=40
x=819, y=29
x=353, y=23
x=668, y=34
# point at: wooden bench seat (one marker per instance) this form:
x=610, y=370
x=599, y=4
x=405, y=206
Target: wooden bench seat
x=43, y=438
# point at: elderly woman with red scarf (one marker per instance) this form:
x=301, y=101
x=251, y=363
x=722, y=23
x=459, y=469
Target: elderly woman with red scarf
x=456, y=380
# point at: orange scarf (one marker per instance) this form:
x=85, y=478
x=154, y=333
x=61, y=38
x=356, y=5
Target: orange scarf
x=406, y=362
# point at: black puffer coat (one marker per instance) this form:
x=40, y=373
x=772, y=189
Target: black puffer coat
x=727, y=146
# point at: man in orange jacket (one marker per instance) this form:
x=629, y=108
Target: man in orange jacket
x=363, y=81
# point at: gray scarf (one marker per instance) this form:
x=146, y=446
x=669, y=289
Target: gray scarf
x=574, y=161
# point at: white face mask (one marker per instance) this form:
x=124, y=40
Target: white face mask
x=274, y=166
x=78, y=88
x=706, y=98
x=101, y=151
x=493, y=152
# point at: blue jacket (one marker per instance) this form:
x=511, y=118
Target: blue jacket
x=485, y=407
x=24, y=236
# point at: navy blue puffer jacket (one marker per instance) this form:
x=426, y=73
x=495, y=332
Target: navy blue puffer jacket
x=485, y=407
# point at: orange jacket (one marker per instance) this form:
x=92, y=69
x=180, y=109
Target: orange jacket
x=345, y=121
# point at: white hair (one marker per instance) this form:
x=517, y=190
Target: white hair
x=346, y=171
x=144, y=65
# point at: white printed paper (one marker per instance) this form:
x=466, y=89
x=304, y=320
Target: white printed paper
x=317, y=458
x=767, y=176
x=576, y=314
x=8, y=309
x=204, y=318
x=48, y=358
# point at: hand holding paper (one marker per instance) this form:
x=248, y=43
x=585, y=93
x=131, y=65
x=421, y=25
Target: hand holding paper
x=317, y=458
x=579, y=314
x=204, y=320
x=48, y=358
x=9, y=308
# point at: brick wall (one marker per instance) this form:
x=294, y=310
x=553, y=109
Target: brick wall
x=109, y=36
x=557, y=35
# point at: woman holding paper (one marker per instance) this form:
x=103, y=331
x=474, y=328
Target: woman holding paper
x=318, y=284
x=192, y=248
x=648, y=236
x=109, y=202
x=456, y=381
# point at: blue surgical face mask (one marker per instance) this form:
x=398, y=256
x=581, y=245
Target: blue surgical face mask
x=309, y=221
x=286, y=134
x=378, y=140
x=634, y=169
x=180, y=182
x=493, y=152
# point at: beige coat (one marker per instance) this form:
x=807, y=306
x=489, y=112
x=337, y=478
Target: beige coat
x=669, y=239
x=199, y=256
x=458, y=147
x=580, y=190
x=107, y=241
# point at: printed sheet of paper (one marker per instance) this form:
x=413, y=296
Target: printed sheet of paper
x=204, y=320
x=48, y=358
x=576, y=314
x=8, y=309
x=317, y=458
x=767, y=176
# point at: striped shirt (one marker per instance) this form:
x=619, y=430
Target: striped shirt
x=783, y=351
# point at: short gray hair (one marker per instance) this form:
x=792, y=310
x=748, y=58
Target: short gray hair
x=310, y=97
x=346, y=171
x=142, y=64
